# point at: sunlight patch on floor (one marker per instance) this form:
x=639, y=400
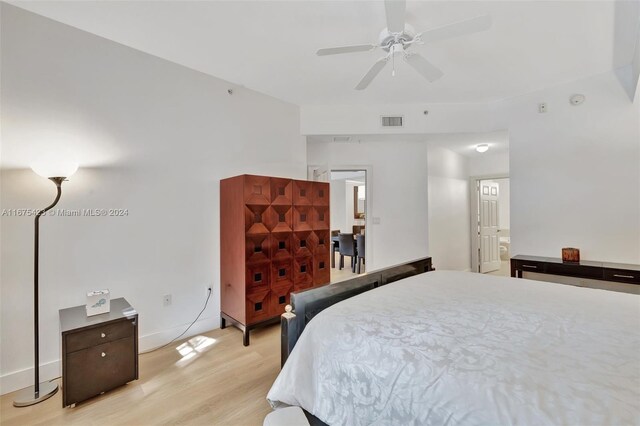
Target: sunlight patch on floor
x=190, y=349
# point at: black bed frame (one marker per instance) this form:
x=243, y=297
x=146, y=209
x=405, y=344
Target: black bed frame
x=308, y=303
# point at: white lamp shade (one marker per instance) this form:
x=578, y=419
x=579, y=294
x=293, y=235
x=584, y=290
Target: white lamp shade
x=483, y=147
x=55, y=165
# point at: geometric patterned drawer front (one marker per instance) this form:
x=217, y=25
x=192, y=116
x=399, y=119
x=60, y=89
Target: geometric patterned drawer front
x=303, y=271
x=321, y=269
x=302, y=193
x=320, y=194
x=258, y=275
x=279, y=298
x=281, y=246
x=302, y=218
x=257, y=248
x=255, y=219
x=303, y=243
x=257, y=190
x=322, y=242
x=320, y=217
x=258, y=306
x=280, y=218
x=302, y=285
x=281, y=191
x=282, y=225
x=281, y=273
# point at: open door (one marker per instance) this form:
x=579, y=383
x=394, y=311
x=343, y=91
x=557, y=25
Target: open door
x=489, y=227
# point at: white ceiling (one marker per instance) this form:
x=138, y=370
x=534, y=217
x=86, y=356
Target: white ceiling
x=270, y=46
x=462, y=143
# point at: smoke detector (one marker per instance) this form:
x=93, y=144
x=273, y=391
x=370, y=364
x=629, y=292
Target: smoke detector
x=576, y=99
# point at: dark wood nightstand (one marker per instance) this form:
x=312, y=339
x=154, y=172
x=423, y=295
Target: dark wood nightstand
x=100, y=352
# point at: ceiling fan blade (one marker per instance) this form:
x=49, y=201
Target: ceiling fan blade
x=372, y=73
x=468, y=26
x=346, y=49
x=424, y=67
x=395, y=10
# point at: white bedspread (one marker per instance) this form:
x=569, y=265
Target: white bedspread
x=447, y=348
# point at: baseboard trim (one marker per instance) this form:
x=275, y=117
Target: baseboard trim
x=153, y=340
x=21, y=379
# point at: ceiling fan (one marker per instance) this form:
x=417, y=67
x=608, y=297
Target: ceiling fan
x=398, y=37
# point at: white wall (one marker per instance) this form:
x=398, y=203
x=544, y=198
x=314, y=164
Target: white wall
x=151, y=137
x=504, y=201
x=397, y=194
x=449, y=233
x=338, y=205
x=489, y=164
x=365, y=119
x=575, y=171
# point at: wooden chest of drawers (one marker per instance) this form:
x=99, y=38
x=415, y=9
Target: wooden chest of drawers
x=99, y=353
x=274, y=239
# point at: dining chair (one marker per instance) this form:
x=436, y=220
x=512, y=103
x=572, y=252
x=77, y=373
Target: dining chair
x=335, y=244
x=359, y=252
x=347, y=248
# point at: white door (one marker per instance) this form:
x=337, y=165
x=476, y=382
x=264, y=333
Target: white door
x=318, y=173
x=489, y=229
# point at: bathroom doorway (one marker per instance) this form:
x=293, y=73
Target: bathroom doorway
x=491, y=225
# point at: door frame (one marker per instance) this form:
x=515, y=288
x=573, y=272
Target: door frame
x=369, y=231
x=474, y=198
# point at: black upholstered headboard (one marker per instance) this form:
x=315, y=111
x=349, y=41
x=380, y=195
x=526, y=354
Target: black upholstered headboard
x=308, y=303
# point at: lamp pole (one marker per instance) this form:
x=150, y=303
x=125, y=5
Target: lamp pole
x=39, y=391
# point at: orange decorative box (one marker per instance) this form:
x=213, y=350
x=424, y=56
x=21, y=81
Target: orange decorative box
x=570, y=254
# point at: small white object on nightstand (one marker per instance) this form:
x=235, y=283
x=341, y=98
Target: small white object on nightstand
x=98, y=302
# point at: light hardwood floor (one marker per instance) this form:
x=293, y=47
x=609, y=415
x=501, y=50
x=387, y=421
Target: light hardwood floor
x=216, y=382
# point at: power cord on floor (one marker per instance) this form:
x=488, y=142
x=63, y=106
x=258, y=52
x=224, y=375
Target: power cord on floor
x=185, y=331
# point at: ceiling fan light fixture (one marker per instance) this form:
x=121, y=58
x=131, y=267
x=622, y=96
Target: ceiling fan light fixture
x=399, y=36
x=483, y=147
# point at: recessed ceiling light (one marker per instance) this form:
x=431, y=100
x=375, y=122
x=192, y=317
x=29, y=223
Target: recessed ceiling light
x=483, y=147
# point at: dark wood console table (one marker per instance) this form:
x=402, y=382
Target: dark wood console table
x=604, y=271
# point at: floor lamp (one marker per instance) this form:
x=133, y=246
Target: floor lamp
x=41, y=391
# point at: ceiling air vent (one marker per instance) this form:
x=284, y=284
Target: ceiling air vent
x=392, y=121
x=341, y=138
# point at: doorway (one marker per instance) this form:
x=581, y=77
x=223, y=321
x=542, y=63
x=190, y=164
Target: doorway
x=490, y=225
x=349, y=191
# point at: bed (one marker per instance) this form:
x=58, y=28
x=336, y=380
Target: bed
x=447, y=348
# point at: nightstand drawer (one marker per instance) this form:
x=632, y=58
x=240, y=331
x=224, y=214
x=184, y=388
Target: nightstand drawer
x=98, y=369
x=98, y=335
x=570, y=270
x=622, y=276
x=531, y=266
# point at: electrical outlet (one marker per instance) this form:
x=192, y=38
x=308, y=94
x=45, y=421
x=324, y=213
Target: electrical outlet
x=166, y=300
x=542, y=108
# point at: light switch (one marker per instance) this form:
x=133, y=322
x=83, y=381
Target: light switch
x=376, y=220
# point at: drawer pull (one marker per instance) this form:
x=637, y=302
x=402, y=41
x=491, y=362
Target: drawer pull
x=623, y=276
x=103, y=335
x=103, y=354
x=530, y=266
